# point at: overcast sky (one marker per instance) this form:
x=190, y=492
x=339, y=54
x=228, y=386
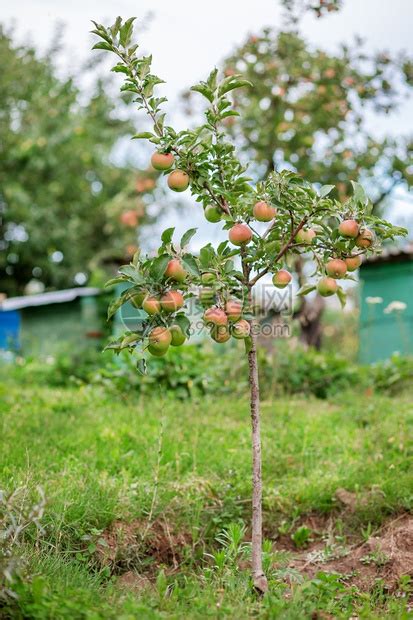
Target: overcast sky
x=187, y=37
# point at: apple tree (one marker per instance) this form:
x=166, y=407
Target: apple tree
x=268, y=224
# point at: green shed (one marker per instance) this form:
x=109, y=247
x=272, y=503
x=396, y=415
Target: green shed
x=386, y=305
x=48, y=323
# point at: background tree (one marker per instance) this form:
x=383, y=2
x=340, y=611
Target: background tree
x=309, y=111
x=63, y=202
x=267, y=224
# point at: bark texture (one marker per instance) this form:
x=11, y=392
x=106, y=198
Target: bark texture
x=259, y=579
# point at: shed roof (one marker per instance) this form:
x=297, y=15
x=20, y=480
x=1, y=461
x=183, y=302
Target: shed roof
x=391, y=254
x=43, y=299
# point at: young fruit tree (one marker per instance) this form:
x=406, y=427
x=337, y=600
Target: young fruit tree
x=268, y=225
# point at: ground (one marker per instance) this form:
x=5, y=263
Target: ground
x=147, y=504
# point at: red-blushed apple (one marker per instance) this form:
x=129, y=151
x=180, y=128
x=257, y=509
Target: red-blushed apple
x=178, y=181
x=130, y=218
x=263, y=212
x=215, y=316
x=349, y=228
x=327, y=286
x=159, y=338
x=177, y=335
x=353, y=263
x=151, y=305
x=162, y=161
x=220, y=333
x=213, y=214
x=175, y=270
x=365, y=238
x=233, y=310
x=241, y=329
x=336, y=268
x=282, y=278
x=171, y=301
x=208, y=277
x=305, y=235
x=240, y=234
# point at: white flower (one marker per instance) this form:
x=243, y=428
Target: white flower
x=395, y=306
x=374, y=300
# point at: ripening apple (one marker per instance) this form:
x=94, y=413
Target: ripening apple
x=215, y=316
x=336, y=268
x=177, y=336
x=349, y=228
x=162, y=161
x=208, y=277
x=263, y=212
x=159, y=338
x=241, y=329
x=240, y=234
x=213, y=214
x=156, y=352
x=353, y=263
x=130, y=218
x=282, y=278
x=151, y=305
x=138, y=298
x=220, y=333
x=305, y=235
x=171, y=301
x=233, y=310
x=178, y=181
x=327, y=286
x=175, y=270
x=365, y=238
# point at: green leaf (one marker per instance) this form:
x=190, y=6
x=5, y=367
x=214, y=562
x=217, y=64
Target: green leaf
x=206, y=255
x=102, y=45
x=159, y=265
x=222, y=247
x=359, y=193
x=114, y=281
x=229, y=266
x=231, y=83
x=204, y=90
x=325, y=190
x=183, y=322
x=306, y=288
x=131, y=273
x=186, y=237
x=342, y=296
x=141, y=366
x=167, y=235
x=190, y=264
x=144, y=135
x=126, y=31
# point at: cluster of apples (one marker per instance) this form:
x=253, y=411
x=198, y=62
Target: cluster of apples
x=167, y=303
x=226, y=321
x=178, y=180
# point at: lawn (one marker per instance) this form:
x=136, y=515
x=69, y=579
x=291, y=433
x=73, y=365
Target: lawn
x=147, y=500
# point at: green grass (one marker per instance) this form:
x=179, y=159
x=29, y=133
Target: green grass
x=97, y=457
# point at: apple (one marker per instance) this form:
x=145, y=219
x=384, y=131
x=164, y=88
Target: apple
x=138, y=298
x=177, y=336
x=175, y=270
x=178, y=181
x=240, y=234
x=208, y=278
x=349, y=228
x=353, y=263
x=282, y=278
x=156, y=352
x=151, y=305
x=233, y=309
x=327, y=286
x=263, y=212
x=159, y=338
x=171, y=301
x=336, y=268
x=162, y=161
x=220, y=334
x=365, y=238
x=241, y=329
x=305, y=235
x=215, y=316
x=213, y=214
x=207, y=296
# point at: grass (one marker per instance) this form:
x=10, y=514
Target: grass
x=185, y=467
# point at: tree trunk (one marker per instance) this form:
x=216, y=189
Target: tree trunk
x=258, y=577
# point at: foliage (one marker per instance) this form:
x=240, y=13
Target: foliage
x=62, y=197
x=95, y=472
x=206, y=160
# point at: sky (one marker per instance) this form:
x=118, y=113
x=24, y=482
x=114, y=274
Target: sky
x=188, y=38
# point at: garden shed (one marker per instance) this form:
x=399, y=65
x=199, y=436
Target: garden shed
x=386, y=305
x=39, y=324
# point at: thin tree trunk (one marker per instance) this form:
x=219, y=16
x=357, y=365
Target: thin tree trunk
x=259, y=579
